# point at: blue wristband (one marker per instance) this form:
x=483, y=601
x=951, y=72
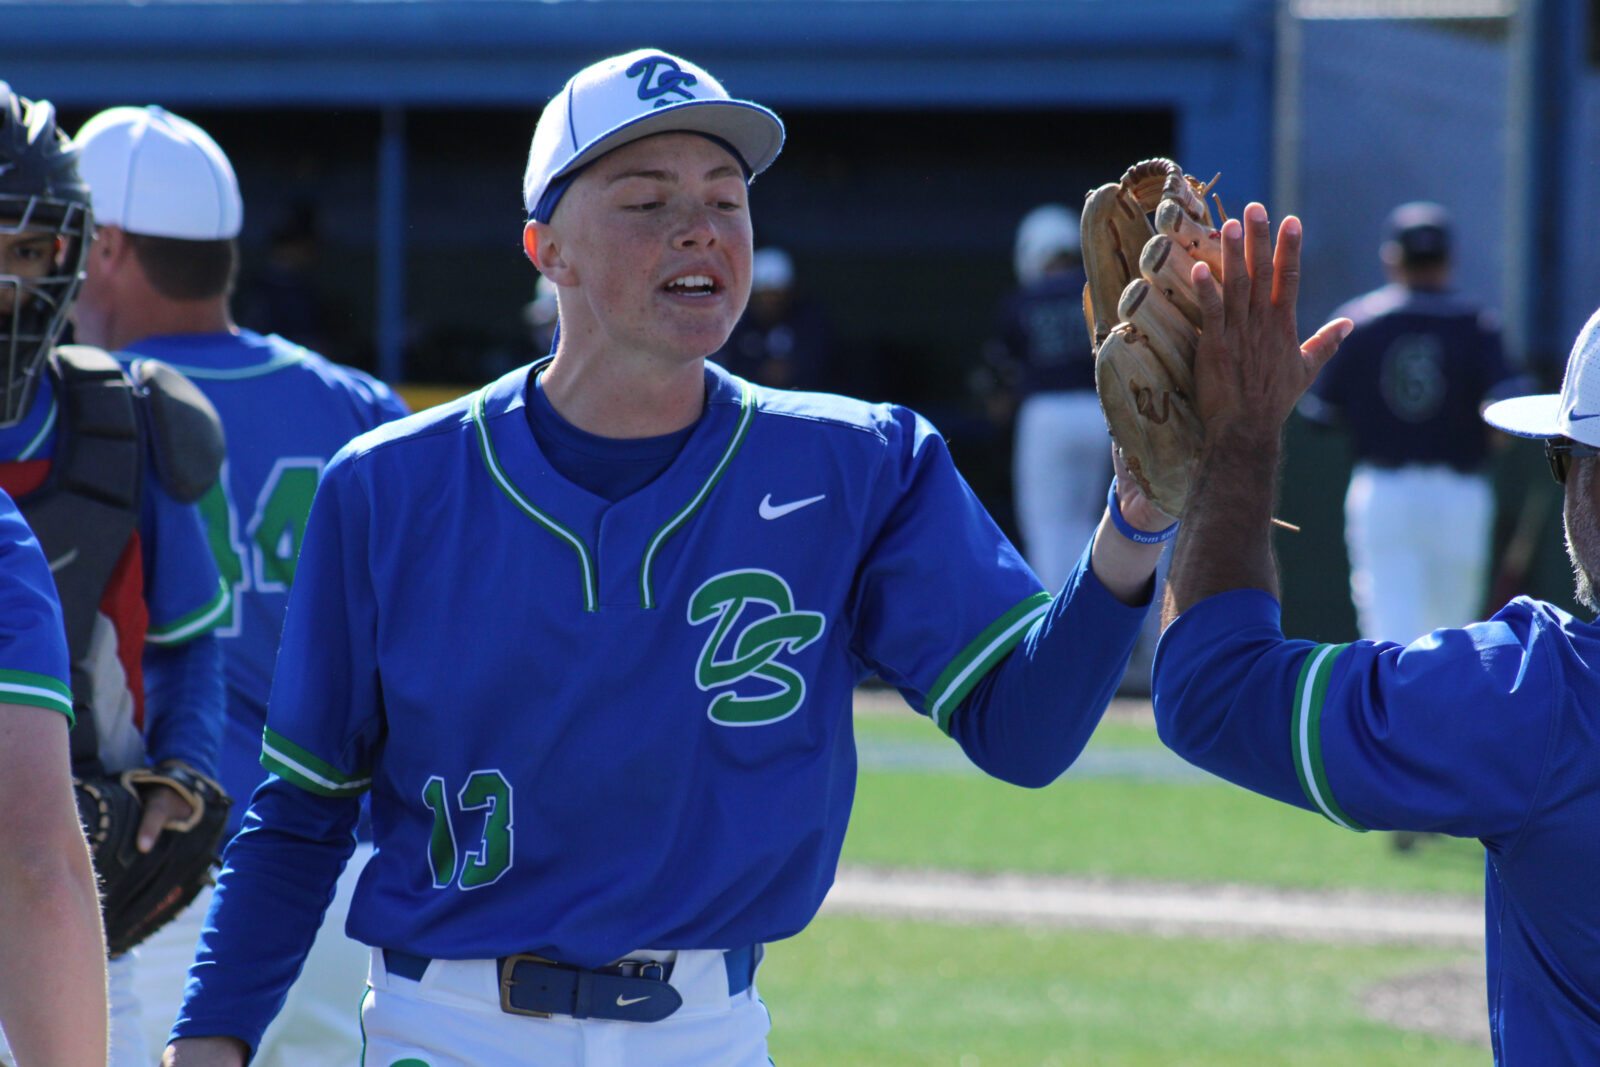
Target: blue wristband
x=1132, y=534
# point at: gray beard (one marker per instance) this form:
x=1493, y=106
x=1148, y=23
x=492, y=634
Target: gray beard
x=1584, y=591
x=1583, y=584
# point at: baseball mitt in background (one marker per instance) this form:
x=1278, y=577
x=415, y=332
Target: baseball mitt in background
x=1144, y=320
x=143, y=891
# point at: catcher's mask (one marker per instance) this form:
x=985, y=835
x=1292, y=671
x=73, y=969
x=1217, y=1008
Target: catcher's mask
x=41, y=195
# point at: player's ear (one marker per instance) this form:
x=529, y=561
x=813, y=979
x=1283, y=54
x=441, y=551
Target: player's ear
x=110, y=244
x=543, y=246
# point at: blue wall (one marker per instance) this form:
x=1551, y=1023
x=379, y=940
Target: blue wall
x=1207, y=62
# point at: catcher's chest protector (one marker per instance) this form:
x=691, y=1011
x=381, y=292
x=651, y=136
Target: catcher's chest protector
x=87, y=511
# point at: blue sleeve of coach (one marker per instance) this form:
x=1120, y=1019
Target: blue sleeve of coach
x=1449, y=733
x=1030, y=716
x=279, y=874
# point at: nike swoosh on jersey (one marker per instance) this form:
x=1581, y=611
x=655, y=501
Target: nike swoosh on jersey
x=623, y=1002
x=63, y=559
x=769, y=510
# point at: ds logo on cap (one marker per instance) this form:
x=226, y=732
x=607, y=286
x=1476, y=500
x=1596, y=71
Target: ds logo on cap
x=673, y=79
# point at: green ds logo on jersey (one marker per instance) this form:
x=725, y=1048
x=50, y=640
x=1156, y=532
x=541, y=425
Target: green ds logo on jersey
x=726, y=599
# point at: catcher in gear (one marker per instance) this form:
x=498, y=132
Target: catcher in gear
x=1144, y=321
x=105, y=466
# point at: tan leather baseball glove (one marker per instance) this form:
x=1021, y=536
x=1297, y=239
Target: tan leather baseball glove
x=1143, y=320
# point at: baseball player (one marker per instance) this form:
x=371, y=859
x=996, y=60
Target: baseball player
x=1489, y=731
x=52, y=953
x=99, y=465
x=1059, y=466
x=159, y=277
x=1407, y=387
x=588, y=638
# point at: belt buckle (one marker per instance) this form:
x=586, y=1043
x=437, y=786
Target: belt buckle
x=508, y=966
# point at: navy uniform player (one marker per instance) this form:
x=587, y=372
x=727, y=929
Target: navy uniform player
x=1060, y=463
x=105, y=470
x=1489, y=731
x=589, y=638
x=52, y=954
x=1407, y=387
x=158, y=283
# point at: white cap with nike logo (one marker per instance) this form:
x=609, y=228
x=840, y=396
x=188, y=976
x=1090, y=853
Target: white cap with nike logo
x=1574, y=412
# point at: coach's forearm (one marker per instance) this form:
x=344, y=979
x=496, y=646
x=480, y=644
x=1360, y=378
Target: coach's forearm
x=1225, y=541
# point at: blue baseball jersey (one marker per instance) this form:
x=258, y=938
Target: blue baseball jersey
x=1409, y=381
x=34, y=669
x=286, y=410
x=553, y=699
x=1492, y=731
x=588, y=727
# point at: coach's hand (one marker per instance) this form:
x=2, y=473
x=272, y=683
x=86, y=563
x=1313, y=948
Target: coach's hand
x=206, y=1052
x=1252, y=368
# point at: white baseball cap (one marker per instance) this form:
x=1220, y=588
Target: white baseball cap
x=153, y=173
x=1574, y=412
x=1046, y=232
x=627, y=97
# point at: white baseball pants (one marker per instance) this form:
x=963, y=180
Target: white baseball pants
x=1419, y=548
x=1060, y=470
x=452, y=1018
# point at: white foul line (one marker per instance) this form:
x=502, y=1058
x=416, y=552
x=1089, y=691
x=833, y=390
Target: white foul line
x=1203, y=911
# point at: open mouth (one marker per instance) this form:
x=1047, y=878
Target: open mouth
x=693, y=285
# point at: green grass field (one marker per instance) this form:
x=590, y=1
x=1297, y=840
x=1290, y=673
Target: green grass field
x=855, y=991
x=1195, y=830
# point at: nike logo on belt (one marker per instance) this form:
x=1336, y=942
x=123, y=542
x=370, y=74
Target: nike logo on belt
x=623, y=1002
x=769, y=510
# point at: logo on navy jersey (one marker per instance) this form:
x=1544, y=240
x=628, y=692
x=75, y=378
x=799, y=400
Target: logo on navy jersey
x=659, y=76
x=1412, y=377
x=761, y=604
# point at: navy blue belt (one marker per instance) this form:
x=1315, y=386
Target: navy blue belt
x=631, y=990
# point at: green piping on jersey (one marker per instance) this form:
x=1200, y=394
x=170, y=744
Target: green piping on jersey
x=38, y=690
x=983, y=653
x=1309, y=694
x=293, y=763
x=746, y=412
x=492, y=461
x=196, y=622
x=228, y=374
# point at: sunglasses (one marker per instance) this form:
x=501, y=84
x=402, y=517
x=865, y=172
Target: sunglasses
x=1561, y=451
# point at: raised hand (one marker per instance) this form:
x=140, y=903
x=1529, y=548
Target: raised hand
x=1251, y=367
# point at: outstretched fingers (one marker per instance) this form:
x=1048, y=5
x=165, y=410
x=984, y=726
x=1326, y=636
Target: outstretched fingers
x=1235, y=275
x=1258, y=253
x=1320, y=346
x=1286, y=264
